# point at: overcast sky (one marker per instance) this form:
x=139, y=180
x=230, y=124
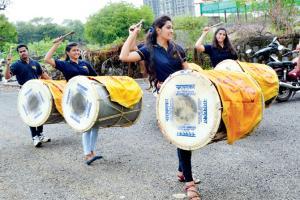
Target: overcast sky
x=24, y=10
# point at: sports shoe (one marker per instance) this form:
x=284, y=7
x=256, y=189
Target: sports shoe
x=36, y=141
x=44, y=139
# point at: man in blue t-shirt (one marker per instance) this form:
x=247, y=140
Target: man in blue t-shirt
x=26, y=69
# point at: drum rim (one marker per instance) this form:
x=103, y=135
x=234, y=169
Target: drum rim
x=231, y=61
x=48, y=112
x=219, y=115
x=93, y=91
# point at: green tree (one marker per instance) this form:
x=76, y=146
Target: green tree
x=112, y=22
x=38, y=29
x=8, y=33
x=188, y=29
x=25, y=32
x=281, y=12
x=39, y=49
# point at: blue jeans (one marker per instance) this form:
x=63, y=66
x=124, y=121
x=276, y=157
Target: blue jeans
x=36, y=131
x=89, y=140
x=185, y=164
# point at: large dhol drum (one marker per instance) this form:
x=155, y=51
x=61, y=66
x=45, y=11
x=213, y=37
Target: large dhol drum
x=86, y=104
x=191, y=114
x=36, y=104
x=264, y=75
x=188, y=110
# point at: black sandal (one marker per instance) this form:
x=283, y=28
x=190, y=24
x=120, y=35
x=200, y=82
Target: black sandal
x=88, y=162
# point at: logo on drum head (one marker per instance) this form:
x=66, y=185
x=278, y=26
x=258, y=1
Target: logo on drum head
x=168, y=109
x=185, y=89
x=186, y=131
x=202, y=111
x=186, y=134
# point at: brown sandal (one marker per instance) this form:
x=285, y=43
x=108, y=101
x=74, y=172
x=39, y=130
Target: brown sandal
x=194, y=190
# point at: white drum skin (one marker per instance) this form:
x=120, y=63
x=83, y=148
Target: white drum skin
x=35, y=103
x=229, y=65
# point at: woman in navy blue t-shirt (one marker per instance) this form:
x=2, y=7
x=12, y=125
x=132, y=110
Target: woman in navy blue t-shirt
x=163, y=57
x=74, y=66
x=220, y=49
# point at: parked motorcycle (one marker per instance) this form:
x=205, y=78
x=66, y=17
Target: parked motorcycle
x=268, y=53
x=288, y=76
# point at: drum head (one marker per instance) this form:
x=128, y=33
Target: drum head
x=80, y=103
x=188, y=110
x=35, y=103
x=229, y=65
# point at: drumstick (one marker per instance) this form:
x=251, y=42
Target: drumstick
x=138, y=24
x=10, y=50
x=9, y=55
x=218, y=24
x=63, y=36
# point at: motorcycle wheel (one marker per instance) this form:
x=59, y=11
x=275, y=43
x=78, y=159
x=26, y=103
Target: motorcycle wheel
x=284, y=94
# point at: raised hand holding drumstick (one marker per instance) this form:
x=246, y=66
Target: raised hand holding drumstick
x=136, y=27
x=7, y=73
x=221, y=47
x=62, y=37
x=200, y=41
x=56, y=42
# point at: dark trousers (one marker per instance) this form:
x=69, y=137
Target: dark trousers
x=36, y=131
x=185, y=164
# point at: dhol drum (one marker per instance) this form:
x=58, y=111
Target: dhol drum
x=264, y=75
x=36, y=102
x=86, y=104
x=190, y=110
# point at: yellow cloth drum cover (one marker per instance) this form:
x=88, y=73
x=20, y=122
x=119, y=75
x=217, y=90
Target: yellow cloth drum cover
x=264, y=75
x=122, y=89
x=242, y=102
x=57, y=90
x=195, y=67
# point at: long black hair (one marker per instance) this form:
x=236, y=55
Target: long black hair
x=68, y=49
x=151, y=40
x=227, y=44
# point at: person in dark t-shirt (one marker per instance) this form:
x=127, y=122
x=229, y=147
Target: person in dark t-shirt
x=220, y=49
x=26, y=69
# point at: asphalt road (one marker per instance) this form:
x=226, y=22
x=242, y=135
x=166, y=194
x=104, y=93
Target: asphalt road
x=140, y=164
